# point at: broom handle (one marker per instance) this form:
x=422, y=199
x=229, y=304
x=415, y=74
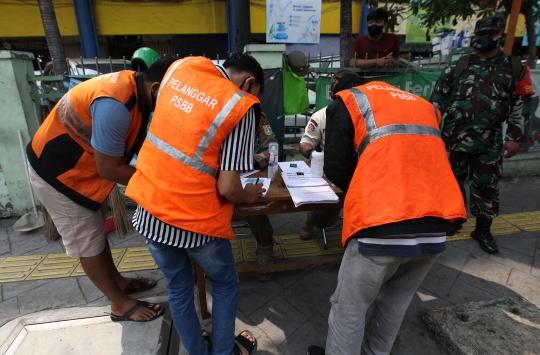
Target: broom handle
x=26, y=171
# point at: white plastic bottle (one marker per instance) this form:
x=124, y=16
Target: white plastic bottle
x=317, y=164
x=273, y=149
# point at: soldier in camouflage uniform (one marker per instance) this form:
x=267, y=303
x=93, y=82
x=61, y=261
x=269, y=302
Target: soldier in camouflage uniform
x=476, y=95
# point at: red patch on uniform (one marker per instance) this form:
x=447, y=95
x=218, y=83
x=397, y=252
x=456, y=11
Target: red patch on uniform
x=311, y=128
x=525, y=85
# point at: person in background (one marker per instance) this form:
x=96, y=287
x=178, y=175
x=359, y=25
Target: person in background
x=77, y=155
x=143, y=58
x=187, y=182
x=313, y=140
x=476, y=95
x=377, y=49
x=260, y=224
x=384, y=149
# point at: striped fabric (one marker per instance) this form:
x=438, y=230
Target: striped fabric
x=404, y=245
x=236, y=154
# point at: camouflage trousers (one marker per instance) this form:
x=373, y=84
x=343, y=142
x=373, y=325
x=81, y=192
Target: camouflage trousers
x=484, y=171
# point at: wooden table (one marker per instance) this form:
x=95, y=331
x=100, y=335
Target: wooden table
x=277, y=201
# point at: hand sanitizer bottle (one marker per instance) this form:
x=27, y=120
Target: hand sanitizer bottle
x=272, y=160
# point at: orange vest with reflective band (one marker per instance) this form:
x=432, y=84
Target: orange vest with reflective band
x=178, y=165
x=402, y=171
x=60, y=151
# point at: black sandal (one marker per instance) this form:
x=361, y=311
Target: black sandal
x=207, y=339
x=139, y=285
x=250, y=346
x=126, y=316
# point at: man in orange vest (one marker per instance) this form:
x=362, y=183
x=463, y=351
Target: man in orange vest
x=77, y=155
x=383, y=147
x=187, y=182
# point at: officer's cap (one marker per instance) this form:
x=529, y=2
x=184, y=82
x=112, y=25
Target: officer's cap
x=490, y=23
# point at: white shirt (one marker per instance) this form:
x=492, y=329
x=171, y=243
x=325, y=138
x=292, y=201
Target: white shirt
x=314, y=132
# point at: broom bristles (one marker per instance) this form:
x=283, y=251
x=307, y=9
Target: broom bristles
x=51, y=233
x=121, y=221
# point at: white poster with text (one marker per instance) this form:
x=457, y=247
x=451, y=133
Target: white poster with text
x=293, y=21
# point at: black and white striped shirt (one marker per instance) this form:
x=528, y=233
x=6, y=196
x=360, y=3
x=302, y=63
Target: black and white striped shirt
x=236, y=154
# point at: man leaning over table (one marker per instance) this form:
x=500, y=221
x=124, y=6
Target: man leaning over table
x=186, y=184
x=77, y=155
x=313, y=140
x=384, y=149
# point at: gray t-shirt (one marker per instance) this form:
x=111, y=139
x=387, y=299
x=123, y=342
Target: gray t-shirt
x=110, y=123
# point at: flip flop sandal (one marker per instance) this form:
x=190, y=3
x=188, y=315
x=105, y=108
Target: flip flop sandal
x=207, y=339
x=250, y=346
x=126, y=316
x=139, y=285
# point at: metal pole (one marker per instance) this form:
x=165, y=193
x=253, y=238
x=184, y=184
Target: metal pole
x=238, y=25
x=87, y=29
x=511, y=34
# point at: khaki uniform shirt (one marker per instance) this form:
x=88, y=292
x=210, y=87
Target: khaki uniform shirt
x=314, y=132
x=265, y=136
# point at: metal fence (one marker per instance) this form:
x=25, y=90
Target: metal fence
x=50, y=87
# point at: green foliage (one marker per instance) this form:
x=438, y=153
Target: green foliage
x=443, y=12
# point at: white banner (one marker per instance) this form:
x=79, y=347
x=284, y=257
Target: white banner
x=293, y=21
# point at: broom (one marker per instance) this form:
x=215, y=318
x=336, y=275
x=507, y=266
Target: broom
x=51, y=233
x=119, y=211
x=121, y=220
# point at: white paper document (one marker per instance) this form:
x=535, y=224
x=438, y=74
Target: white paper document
x=313, y=194
x=298, y=174
x=290, y=166
x=266, y=183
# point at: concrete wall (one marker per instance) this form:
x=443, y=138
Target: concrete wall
x=19, y=112
x=522, y=164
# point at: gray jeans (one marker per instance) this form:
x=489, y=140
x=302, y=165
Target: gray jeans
x=387, y=282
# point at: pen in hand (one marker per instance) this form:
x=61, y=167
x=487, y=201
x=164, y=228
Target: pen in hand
x=256, y=182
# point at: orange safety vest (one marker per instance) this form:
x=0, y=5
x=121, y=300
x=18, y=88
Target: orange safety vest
x=178, y=165
x=60, y=151
x=402, y=171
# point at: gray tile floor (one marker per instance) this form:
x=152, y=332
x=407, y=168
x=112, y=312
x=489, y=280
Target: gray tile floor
x=290, y=312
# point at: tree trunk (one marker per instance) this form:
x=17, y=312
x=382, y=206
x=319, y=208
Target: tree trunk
x=345, y=30
x=52, y=34
x=530, y=19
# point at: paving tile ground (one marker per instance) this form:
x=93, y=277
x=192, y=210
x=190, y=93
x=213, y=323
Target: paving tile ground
x=290, y=312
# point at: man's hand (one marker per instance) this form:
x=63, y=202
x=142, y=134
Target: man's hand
x=381, y=62
x=510, y=148
x=230, y=187
x=389, y=61
x=113, y=168
x=254, y=192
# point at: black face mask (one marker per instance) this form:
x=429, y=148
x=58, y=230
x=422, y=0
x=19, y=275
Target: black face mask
x=375, y=30
x=486, y=43
x=249, y=87
x=154, y=100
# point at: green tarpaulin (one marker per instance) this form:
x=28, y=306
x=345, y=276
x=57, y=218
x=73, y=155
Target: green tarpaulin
x=420, y=84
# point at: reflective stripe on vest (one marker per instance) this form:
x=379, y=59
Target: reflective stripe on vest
x=72, y=121
x=374, y=133
x=196, y=162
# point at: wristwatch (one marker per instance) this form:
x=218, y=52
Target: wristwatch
x=308, y=153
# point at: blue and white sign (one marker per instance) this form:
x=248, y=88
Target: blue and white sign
x=293, y=21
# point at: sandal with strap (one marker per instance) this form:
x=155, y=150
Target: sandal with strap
x=207, y=339
x=126, y=316
x=139, y=285
x=250, y=346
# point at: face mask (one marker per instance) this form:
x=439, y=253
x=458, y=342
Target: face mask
x=486, y=43
x=375, y=30
x=154, y=100
x=249, y=87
